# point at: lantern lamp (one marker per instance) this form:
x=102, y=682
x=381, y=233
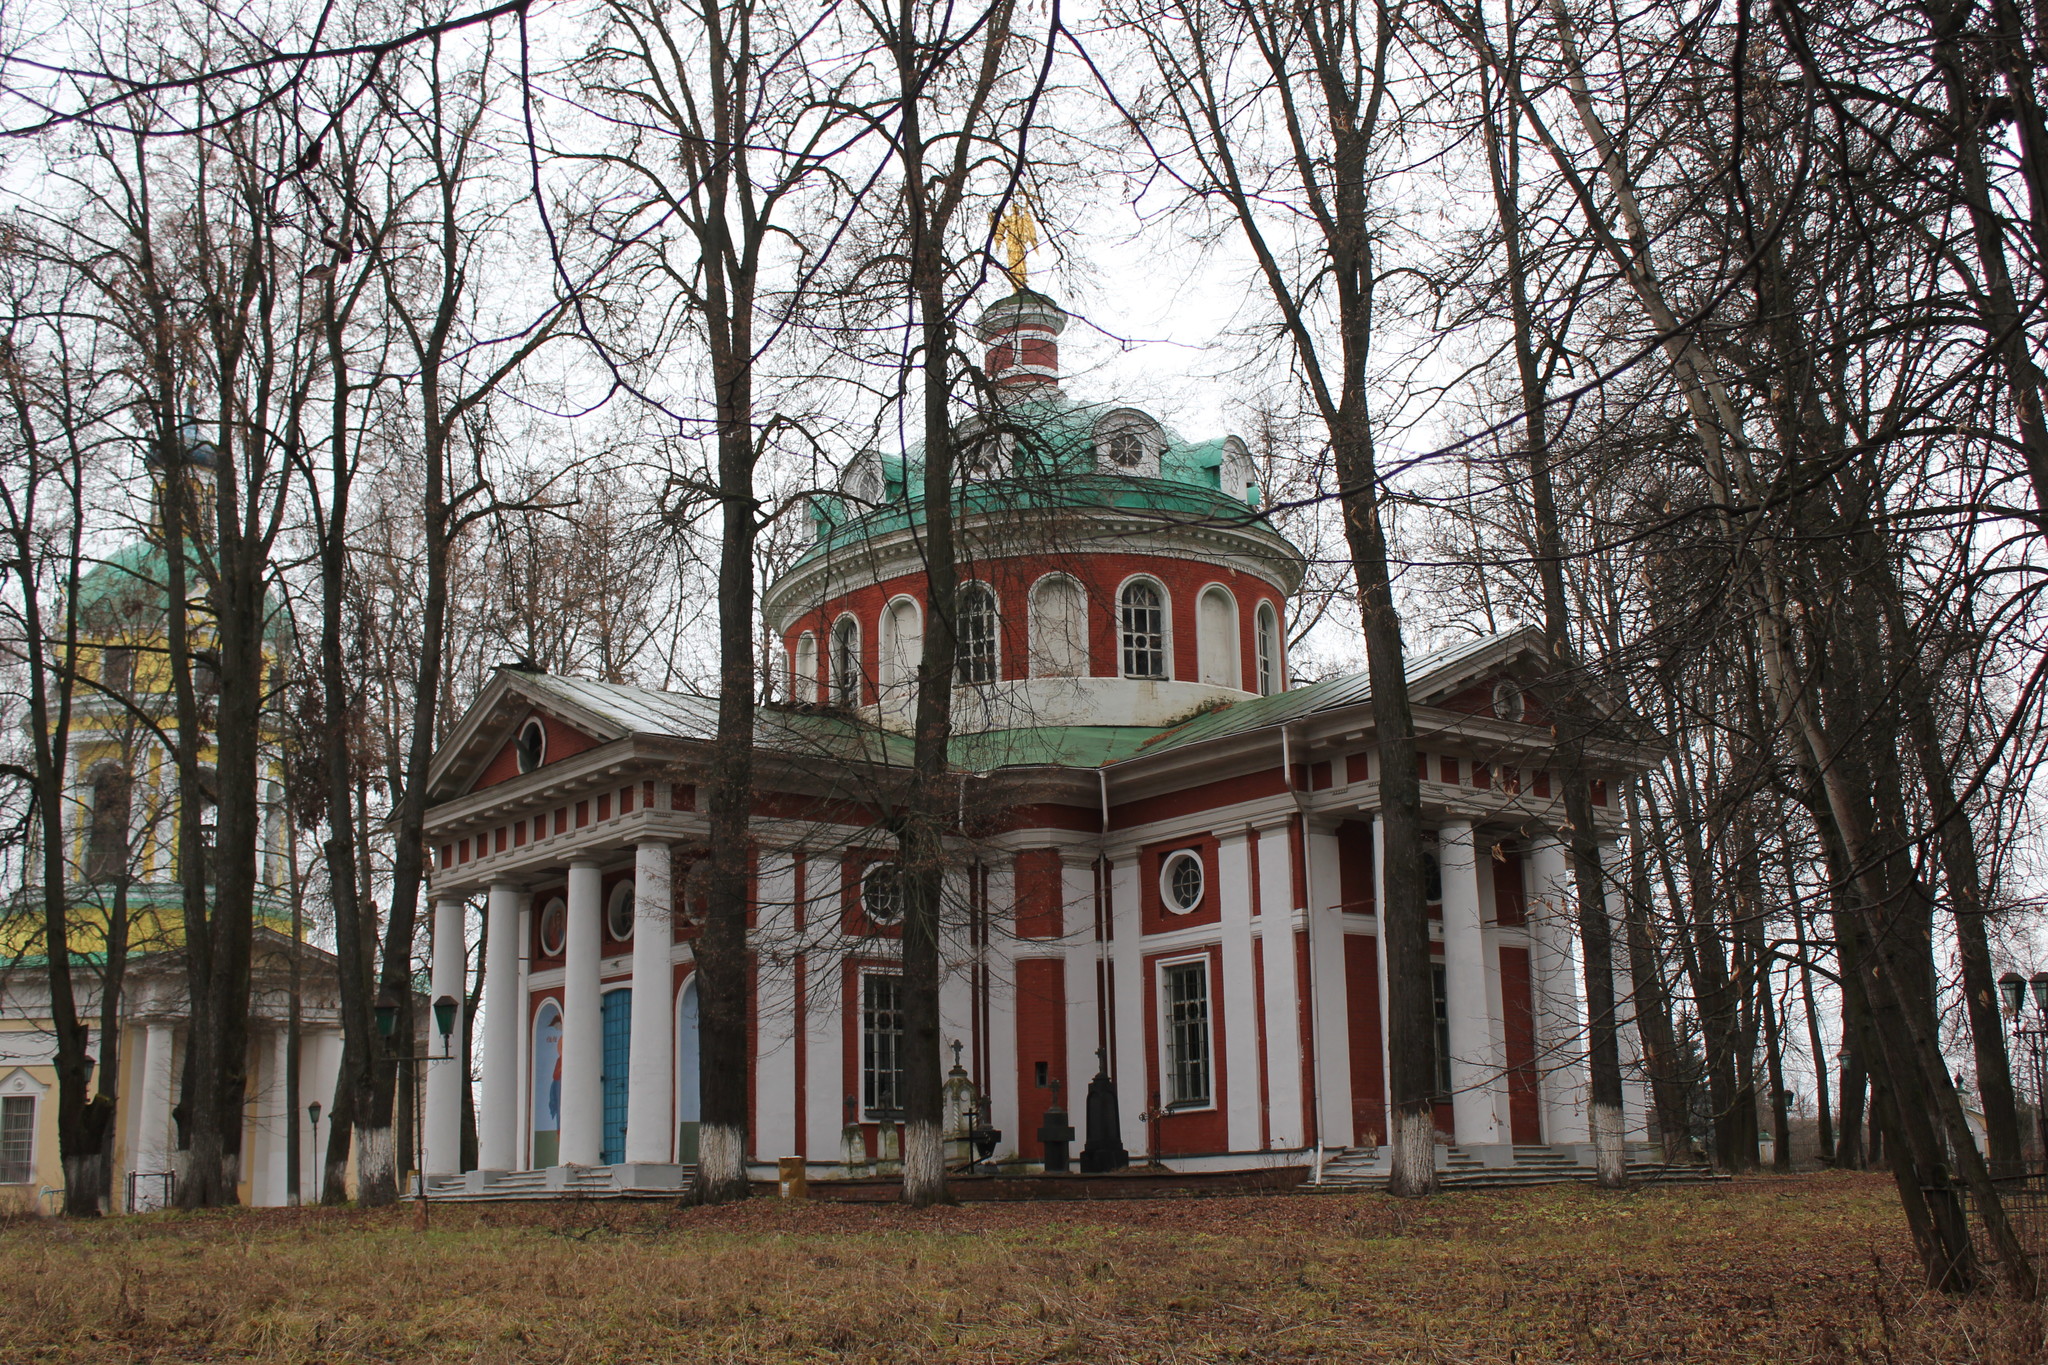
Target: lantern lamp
x=2014, y=987
x=2040, y=985
x=444, y=1018
x=387, y=1012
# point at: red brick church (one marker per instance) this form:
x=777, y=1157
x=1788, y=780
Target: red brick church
x=1167, y=854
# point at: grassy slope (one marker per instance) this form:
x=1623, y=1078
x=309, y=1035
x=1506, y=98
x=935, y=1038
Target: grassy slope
x=1810, y=1268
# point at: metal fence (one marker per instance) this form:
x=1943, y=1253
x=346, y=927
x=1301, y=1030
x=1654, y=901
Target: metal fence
x=2025, y=1199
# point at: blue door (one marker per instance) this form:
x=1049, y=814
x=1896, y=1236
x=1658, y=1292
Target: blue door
x=618, y=1057
x=686, y=1076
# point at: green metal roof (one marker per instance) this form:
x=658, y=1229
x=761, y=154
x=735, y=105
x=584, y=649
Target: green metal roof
x=1053, y=467
x=129, y=588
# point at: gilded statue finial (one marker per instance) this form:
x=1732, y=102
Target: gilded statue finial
x=1016, y=232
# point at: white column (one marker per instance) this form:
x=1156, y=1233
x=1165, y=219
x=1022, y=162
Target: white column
x=1472, y=1067
x=650, y=1108
x=1283, y=1009
x=497, y=1129
x=825, y=1019
x=1560, y=1038
x=999, y=975
x=1634, y=1086
x=280, y=1141
x=582, y=1142
x=153, y=1152
x=1238, y=993
x=444, y=1078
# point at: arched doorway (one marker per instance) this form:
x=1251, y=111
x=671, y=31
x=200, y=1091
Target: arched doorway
x=686, y=1075
x=618, y=1070
x=547, y=1085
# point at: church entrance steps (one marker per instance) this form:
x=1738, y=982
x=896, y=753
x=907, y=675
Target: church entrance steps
x=1502, y=1166
x=630, y=1181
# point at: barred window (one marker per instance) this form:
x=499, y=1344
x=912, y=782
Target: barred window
x=1144, y=630
x=1185, y=986
x=1269, y=650
x=846, y=663
x=17, y=1139
x=975, y=652
x=881, y=1046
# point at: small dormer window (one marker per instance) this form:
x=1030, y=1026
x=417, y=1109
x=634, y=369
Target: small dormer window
x=1126, y=449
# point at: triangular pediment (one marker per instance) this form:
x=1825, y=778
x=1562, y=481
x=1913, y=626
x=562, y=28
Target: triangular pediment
x=484, y=747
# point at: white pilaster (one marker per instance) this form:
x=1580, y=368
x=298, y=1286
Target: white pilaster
x=1239, y=993
x=444, y=1078
x=999, y=980
x=582, y=1141
x=1473, y=1067
x=1283, y=996
x=1326, y=966
x=1560, y=1036
x=824, y=1013
x=497, y=1129
x=775, y=941
x=650, y=1108
x=1127, y=1029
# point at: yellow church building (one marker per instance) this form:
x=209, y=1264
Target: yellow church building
x=124, y=889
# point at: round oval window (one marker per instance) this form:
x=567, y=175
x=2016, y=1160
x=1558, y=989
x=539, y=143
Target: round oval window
x=533, y=746
x=1508, y=702
x=618, y=914
x=1180, y=881
x=554, y=928
x=881, y=895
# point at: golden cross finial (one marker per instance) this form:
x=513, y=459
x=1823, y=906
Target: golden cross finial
x=1016, y=232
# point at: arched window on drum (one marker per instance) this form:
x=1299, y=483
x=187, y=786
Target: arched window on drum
x=1272, y=660
x=976, y=630
x=846, y=663
x=1142, y=611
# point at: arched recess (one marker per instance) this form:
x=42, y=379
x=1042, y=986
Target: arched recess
x=1059, y=628
x=902, y=645
x=1144, y=646
x=1216, y=637
x=1272, y=655
x=618, y=1072
x=547, y=1085
x=687, y=1082
x=113, y=810
x=804, y=684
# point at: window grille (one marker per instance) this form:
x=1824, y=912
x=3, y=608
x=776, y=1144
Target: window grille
x=1186, y=986
x=618, y=1062
x=881, y=1046
x=1442, y=993
x=975, y=638
x=1269, y=651
x=17, y=1139
x=1144, y=630
x=846, y=664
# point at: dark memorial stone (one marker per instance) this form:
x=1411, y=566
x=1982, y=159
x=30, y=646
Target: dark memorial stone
x=1105, y=1149
x=1055, y=1132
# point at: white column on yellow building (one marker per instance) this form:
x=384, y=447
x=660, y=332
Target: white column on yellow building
x=444, y=1078
x=1560, y=1037
x=650, y=1104
x=1472, y=1066
x=157, y=1137
x=582, y=1141
x=278, y=1140
x=497, y=1129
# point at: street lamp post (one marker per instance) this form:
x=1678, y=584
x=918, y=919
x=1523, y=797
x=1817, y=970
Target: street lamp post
x=387, y=1026
x=2016, y=990
x=319, y=1163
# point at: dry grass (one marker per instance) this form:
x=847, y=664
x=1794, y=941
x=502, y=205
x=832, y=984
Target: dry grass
x=1802, y=1269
